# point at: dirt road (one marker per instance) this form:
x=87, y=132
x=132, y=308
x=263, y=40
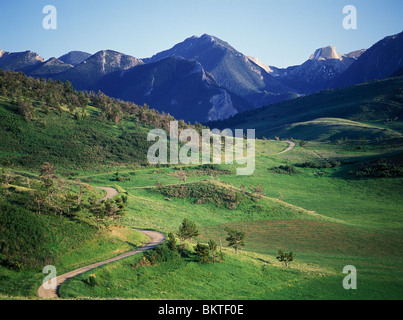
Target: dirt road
x=110, y=193
x=291, y=146
x=156, y=238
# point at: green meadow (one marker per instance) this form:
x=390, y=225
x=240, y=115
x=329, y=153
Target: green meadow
x=328, y=217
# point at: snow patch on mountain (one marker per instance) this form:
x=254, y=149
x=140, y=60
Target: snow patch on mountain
x=222, y=107
x=150, y=88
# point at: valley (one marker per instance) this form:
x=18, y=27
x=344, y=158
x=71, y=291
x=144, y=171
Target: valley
x=78, y=192
x=309, y=200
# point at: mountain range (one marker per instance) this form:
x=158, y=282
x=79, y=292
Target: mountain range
x=205, y=79
x=318, y=71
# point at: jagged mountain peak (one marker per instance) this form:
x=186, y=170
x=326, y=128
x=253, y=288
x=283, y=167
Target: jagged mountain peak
x=356, y=54
x=53, y=60
x=19, y=60
x=52, y=66
x=261, y=64
x=326, y=53
x=74, y=57
x=85, y=75
x=111, y=60
x=193, y=46
x=229, y=67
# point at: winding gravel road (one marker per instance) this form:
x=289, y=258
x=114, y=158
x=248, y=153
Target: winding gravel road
x=292, y=145
x=156, y=238
x=110, y=193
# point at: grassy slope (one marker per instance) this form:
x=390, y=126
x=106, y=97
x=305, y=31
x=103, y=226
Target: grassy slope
x=329, y=218
x=376, y=106
x=348, y=221
x=70, y=144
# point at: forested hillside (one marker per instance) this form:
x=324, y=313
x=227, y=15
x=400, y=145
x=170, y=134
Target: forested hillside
x=49, y=121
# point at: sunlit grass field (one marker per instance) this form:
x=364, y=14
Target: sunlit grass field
x=326, y=216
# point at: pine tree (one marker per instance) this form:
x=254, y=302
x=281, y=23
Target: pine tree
x=235, y=238
x=171, y=242
x=187, y=230
x=203, y=252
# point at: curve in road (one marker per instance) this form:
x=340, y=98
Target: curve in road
x=291, y=146
x=156, y=238
x=110, y=193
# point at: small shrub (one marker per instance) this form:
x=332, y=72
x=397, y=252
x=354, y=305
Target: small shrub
x=92, y=281
x=160, y=254
x=285, y=257
x=187, y=230
x=381, y=168
x=171, y=242
x=235, y=238
x=321, y=164
x=185, y=250
x=302, y=143
x=285, y=170
x=203, y=252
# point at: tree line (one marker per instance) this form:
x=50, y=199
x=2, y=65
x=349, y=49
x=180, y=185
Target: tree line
x=30, y=94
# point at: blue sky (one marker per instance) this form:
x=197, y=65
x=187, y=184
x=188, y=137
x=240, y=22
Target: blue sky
x=279, y=33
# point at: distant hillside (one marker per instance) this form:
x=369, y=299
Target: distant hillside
x=373, y=110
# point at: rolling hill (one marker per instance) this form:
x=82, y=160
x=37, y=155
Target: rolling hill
x=372, y=109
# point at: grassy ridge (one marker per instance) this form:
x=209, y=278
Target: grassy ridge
x=375, y=107
x=68, y=143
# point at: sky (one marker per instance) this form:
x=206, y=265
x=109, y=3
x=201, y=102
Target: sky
x=279, y=33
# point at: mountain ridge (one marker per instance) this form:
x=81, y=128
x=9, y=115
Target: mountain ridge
x=230, y=68
x=74, y=58
x=179, y=86
x=239, y=78
x=380, y=61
